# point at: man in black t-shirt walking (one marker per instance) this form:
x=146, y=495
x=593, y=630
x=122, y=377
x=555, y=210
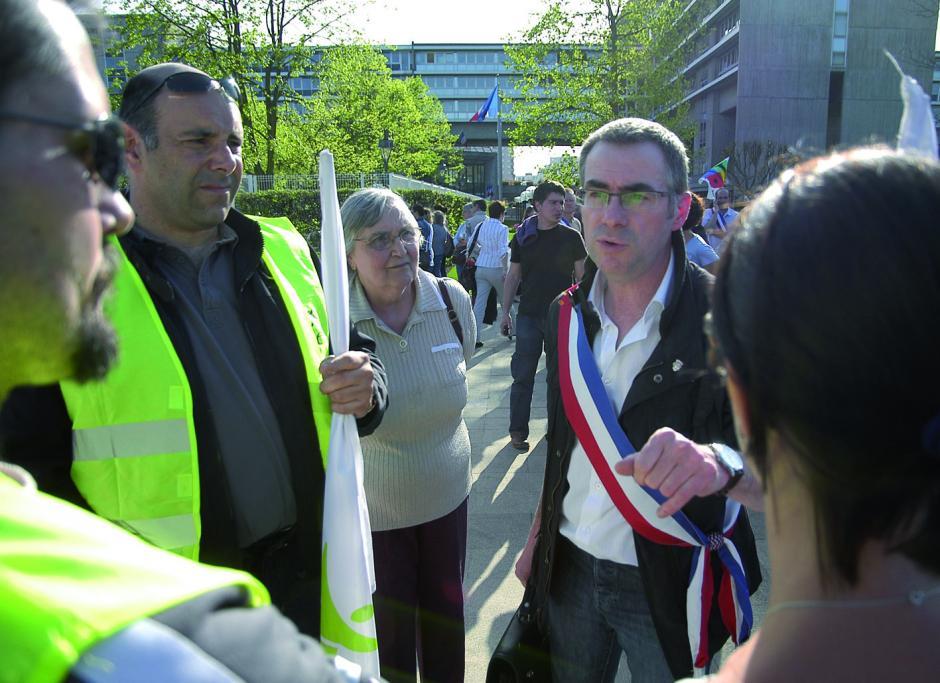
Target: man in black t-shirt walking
x=544, y=255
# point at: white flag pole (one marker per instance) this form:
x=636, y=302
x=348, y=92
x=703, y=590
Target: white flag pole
x=348, y=621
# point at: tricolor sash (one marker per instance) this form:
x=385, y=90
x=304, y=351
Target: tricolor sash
x=594, y=421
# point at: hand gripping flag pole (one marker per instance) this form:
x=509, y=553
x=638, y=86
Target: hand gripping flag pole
x=590, y=414
x=347, y=622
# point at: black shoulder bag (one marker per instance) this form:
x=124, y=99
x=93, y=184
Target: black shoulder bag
x=522, y=653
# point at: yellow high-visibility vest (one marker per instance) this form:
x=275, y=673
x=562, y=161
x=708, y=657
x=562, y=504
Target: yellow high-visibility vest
x=69, y=580
x=134, y=435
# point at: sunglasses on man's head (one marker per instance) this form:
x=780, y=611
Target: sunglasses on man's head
x=99, y=145
x=187, y=82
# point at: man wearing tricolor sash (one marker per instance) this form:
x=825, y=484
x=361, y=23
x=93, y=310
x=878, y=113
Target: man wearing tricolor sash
x=627, y=372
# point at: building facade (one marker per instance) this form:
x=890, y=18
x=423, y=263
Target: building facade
x=804, y=73
x=462, y=76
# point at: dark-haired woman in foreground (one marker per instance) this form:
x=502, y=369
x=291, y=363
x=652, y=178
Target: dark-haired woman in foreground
x=826, y=317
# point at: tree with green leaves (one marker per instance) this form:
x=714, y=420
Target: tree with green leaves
x=586, y=62
x=261, y=43
x=563, y=170
x=357, y=100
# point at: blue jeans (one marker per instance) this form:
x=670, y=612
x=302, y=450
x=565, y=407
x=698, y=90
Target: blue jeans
x=596, y=610
x=530, y=341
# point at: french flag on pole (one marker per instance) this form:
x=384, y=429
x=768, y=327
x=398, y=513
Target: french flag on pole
x=489, y=109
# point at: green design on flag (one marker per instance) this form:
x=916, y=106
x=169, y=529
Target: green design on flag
x=335, y=631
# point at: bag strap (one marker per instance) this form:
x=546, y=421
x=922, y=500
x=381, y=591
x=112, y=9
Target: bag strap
x=473, y=239
x=451, y=313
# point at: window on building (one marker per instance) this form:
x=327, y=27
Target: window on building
x=702, y=129
x=727, y=25
x=840, y=32
x=728, y=60
x=935, y=92
x=430, y=57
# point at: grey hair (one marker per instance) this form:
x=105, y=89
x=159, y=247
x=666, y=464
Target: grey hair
x=632, y=131
x=363, y=209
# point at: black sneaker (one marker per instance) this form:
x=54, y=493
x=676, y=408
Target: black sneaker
x=479, y=345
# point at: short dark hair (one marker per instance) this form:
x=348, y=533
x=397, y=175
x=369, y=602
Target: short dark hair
x=696, y=211
x=496, y=210
x=632, y=131
x=138, y=100
x=30, y=51
x=825, y=307
x=545, y=188
x=480, y=204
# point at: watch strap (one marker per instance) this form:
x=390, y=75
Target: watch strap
x=734, y=475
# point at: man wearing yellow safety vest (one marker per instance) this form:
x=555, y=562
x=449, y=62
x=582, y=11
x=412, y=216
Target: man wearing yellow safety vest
x=209, y=437
x=80, y=599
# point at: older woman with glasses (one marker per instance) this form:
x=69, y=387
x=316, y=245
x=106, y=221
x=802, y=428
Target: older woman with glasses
x=417, y=463
x=826, y=321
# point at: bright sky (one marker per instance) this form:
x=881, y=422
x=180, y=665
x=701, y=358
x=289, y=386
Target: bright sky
x=399, y=22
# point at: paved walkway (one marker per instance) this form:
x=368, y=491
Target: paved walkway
x=506, y=487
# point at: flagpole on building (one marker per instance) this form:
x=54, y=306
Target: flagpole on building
x=499, y=145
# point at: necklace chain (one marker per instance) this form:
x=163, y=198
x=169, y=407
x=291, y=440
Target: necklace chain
x=915, y=598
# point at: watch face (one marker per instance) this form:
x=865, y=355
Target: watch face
x=730, y=457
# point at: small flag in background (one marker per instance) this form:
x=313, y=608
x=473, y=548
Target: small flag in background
x=715, y=177
x=489, y=109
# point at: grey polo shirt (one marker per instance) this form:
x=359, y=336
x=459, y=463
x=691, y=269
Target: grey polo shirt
x=252, y=450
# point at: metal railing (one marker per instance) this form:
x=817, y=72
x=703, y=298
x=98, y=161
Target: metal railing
x=344, y=181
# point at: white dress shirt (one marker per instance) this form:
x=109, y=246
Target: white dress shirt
x=589, y=518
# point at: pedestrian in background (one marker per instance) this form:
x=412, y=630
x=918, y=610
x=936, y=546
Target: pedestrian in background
x=443, y=243
x=492, y=261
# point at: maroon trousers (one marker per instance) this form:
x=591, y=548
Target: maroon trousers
x=419, y=599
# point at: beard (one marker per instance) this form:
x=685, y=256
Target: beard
x=96, y=341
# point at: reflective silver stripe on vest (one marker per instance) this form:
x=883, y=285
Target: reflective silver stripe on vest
x=131, y=440
x=169, y=533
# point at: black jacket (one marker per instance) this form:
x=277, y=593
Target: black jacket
x=690, y=400
x=36, y=431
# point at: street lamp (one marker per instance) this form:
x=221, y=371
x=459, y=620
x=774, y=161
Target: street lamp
x=385, y=147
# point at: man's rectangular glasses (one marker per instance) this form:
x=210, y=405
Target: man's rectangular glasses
x=99, y=145
x=629, y=199
x=382, y=241
x=188, y=82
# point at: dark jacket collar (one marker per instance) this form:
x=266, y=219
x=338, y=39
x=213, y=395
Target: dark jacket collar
x=247, y=252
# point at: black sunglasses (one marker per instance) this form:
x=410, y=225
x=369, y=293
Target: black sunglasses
x=187, y=82
x=99, y=145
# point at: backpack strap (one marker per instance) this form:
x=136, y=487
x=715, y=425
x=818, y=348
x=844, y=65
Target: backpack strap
x=451, y=313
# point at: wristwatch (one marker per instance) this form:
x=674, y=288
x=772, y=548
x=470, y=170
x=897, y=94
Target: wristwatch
x=731, y=462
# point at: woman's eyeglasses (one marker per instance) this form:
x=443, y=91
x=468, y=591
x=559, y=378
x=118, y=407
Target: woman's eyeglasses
x=382, y=241
x=186, y=82
x=99, y=145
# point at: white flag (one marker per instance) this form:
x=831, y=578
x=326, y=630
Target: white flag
x=918, y=133
x=347, y=621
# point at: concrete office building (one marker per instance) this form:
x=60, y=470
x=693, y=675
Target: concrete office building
x=803, y=72
x=462, y=76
